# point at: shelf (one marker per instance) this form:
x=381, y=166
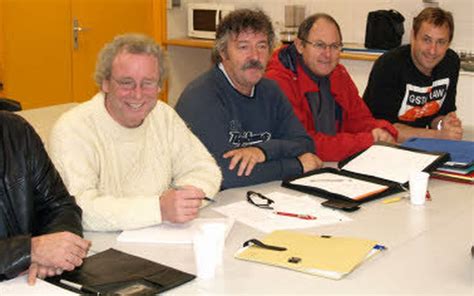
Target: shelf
x=359, y=56
x=190, y=42
x=204, y=43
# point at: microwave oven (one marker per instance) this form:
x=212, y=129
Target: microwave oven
x=203, y=18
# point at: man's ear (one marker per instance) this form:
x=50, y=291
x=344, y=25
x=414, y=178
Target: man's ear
x=299, y=45
x=223, y=55
x=105, y=87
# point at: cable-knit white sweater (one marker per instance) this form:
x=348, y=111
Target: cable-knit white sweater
x=117, y=174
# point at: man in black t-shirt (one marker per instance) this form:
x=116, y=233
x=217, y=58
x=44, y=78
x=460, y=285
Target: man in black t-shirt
x=414, y=86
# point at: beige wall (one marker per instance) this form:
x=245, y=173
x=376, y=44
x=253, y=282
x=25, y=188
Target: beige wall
x=188, y=63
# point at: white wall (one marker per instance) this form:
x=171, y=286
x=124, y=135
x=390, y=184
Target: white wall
x=352, y=15
x=188, y=63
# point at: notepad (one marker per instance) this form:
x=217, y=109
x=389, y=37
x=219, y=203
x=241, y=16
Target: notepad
x=352, y=188
x=170, y=233
x=330, y=257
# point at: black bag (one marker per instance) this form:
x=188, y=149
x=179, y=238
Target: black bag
x=384, y=29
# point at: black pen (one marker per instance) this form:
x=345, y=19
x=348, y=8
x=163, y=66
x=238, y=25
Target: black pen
x=209, y=199
x=85, y=289
x=205, y=197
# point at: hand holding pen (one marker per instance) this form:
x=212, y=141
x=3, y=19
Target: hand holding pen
x=181, y=204
x=190, y=186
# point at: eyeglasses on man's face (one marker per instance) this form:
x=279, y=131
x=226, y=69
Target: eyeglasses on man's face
x=321, y=46
x=259, y=200
x=129, y=84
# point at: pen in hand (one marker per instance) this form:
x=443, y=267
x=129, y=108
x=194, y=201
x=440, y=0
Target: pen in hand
x=209, y=199
x=204, y=198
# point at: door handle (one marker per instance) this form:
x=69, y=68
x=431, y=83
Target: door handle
x=76, y=28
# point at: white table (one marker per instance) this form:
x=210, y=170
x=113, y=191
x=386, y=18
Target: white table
x=429, y=250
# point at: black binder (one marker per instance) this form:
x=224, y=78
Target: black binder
x=392, y=186
x=112, y=272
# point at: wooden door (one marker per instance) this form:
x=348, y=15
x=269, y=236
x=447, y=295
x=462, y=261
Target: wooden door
x=41, y=66
x=36, y=52
x=100, y=21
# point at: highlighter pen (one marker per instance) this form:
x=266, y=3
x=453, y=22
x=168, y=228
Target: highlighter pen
x=392, y=200
x=85, y=289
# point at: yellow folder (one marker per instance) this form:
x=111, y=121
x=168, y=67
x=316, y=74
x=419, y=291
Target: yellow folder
x=327, y=256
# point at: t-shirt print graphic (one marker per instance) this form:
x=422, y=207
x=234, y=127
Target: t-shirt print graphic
x=423, y=101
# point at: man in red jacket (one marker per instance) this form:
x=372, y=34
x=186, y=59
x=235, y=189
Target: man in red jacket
x=323, y=95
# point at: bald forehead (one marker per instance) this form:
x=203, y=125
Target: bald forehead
x=326, y=30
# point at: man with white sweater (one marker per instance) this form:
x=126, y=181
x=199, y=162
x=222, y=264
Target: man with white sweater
x=128, y=158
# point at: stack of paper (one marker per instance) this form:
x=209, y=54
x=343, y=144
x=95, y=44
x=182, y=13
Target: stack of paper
x=331, y=257
x=19, y=286
x=461, y=166
x=170, y=233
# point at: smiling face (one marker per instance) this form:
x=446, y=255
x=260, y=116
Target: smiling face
x=320, y=61
x=429, y=46
x=131, y=91
x=245, y=59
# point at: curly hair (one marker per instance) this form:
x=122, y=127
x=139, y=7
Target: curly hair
x=131, y=43
x=238, y=21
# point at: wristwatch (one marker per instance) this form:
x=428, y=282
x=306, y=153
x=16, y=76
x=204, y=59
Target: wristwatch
x=439, y=126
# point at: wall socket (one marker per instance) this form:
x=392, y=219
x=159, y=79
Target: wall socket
x=170, y=4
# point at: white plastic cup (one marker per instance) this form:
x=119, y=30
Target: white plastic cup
x=208, y=245
x=418, y=187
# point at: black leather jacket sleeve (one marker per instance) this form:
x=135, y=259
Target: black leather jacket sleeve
x=33, y=198
x=15, y=256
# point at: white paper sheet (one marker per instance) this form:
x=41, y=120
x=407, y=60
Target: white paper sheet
x=389, y=163
x=170, y=233
x=19, y=286
x=267, y=221
x=339, y=184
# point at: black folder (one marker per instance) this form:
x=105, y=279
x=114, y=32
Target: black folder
x=113, y=272
x=392, y=186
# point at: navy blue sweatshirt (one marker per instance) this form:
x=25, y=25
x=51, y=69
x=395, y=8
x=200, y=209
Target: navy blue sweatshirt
x=224, y=120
